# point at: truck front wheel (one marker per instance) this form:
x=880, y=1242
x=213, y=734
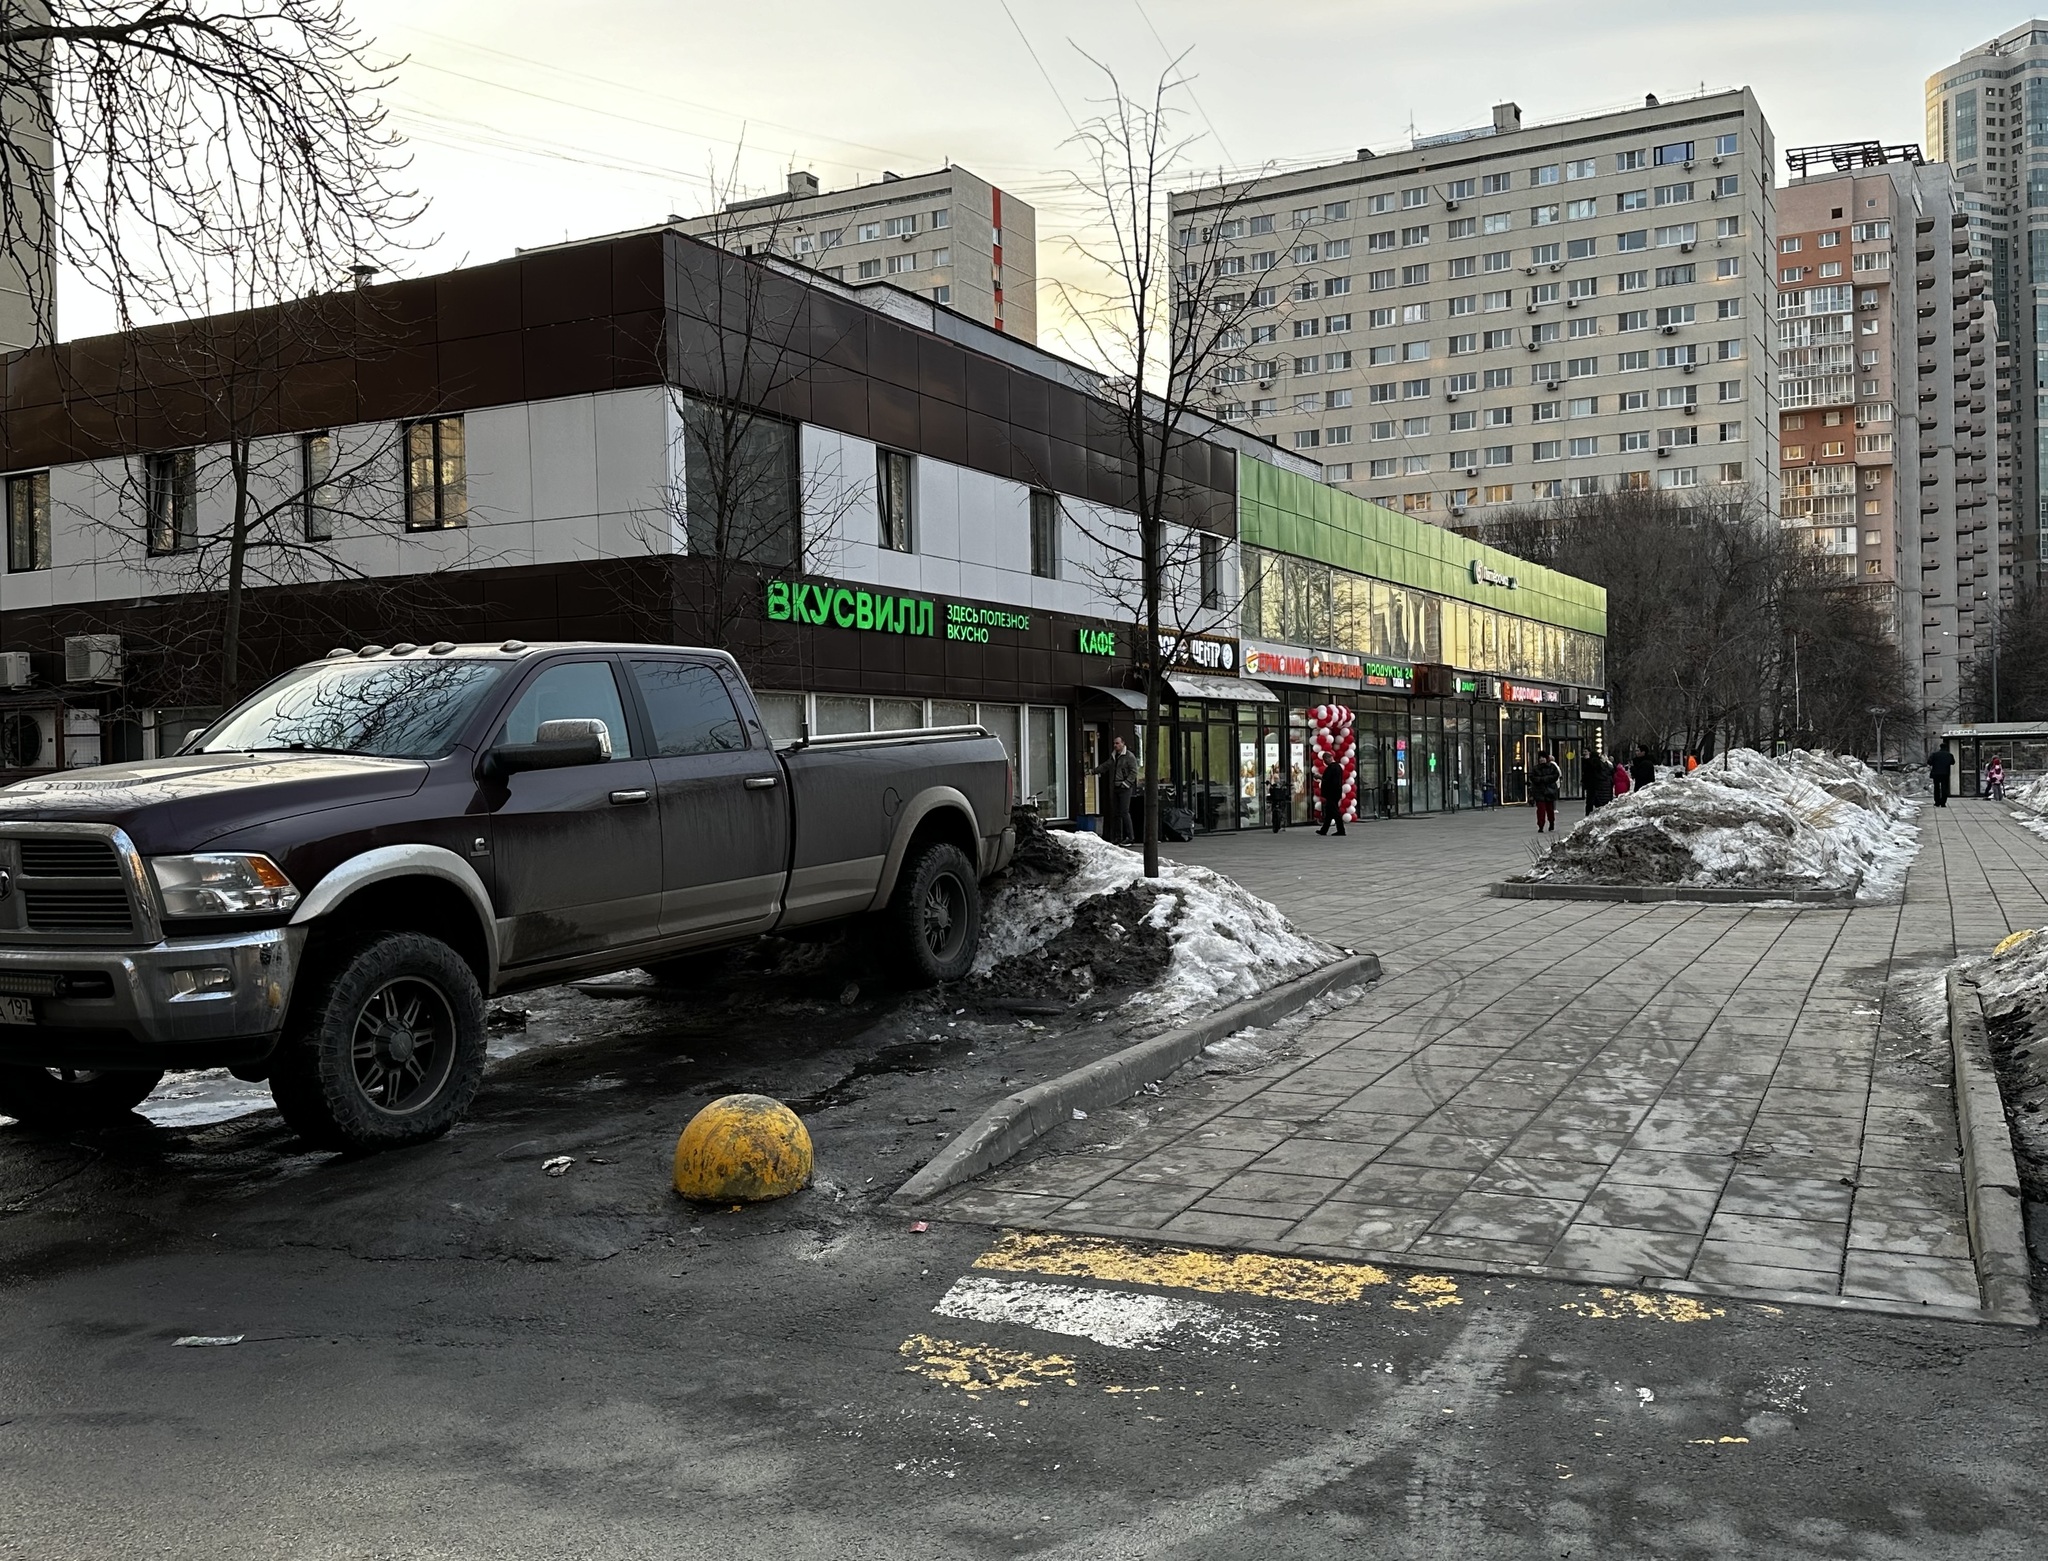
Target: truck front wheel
x=385, y=1045
x=934, y=918
x=73, y=1097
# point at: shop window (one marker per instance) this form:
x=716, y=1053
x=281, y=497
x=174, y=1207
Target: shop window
x=1045, y=534
x=28, y=522
x=319, y=496
x=782, y=714
x=892, y=499
x=1045, y=760
x=835, y=715
x=436, y=475
x=898, y=715
x=1212, y=571
x=739, y=484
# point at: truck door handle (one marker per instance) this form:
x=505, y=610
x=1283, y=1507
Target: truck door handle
x=760, y=782
x=629, y=796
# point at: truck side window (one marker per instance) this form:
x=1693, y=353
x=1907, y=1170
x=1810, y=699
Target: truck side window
x=571, y=690
x=689, y=708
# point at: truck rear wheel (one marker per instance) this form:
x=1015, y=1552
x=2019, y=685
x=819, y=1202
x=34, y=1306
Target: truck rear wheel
x=73, y=1097
x=934, y=919
x=385, y=1046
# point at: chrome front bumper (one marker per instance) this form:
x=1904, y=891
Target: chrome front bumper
x=144, y=1010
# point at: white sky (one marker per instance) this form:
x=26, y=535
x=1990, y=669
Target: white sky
x=534, y=122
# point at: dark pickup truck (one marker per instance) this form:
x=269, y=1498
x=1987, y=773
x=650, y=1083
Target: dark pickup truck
x=325, y=885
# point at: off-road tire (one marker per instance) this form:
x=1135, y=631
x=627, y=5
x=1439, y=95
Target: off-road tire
x=74, y=1097
x=932, y=926
x=348, y=1073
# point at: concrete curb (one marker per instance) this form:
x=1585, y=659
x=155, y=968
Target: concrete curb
x=1013, y=1122
x=1991, y=1181
x=1640, y=894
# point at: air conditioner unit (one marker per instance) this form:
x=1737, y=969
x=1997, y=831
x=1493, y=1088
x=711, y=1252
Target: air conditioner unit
x=1688, y=165
x=1717, y=160
x=1531, y=271
x=1457, y=509
x=1691, y=409
x=92, y=658
x=1471, y=471
x=1663, y=449
x=1571, y=303
x=1557, y=265
x=14, y=669
x=1532, y=308
x=1535, y=346
x=28, y=740
x=1550, y=384
x=1686, y=249
x=1687, y=368
x=1450, y=395
x=1668, y=330
x=1450, y=205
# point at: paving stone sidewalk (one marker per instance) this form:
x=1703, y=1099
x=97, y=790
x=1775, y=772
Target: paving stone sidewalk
x=1735, y=1098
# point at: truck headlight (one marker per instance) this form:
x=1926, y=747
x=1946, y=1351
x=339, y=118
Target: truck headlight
x=222, y=883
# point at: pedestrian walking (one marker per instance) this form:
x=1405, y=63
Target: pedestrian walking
x=1331, y=786
x=1621, y=780
x=1122, y=769
x=1642, y=769
x=1546, y=781
x=1278, y=795
x=1994, y=779
x=1598, y=777
x=1692, y=761
x=1939, y=764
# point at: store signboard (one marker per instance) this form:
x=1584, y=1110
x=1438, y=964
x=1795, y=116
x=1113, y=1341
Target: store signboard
x=877, y=612
x=1095, y=642
x=1529, y=694
x=1481, y=575
x=1592, y=699
x=1199, y=653
x=1297, y=664
x=1389, y=675
x=1333, y=666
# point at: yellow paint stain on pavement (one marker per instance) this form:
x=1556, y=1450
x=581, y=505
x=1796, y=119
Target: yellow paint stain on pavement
x=1215, y=1273
x=982, y=1368
x=2014, y=939
x=1644, y=1304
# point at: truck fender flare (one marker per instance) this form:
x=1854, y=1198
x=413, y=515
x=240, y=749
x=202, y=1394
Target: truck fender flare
x=914, y=813
x=409, y=861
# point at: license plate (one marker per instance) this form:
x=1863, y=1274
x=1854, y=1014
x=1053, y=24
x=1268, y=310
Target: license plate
x=17, y=1010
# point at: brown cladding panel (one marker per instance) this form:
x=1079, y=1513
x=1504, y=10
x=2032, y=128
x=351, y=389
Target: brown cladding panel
x=636, y=349
x=942, y=370
x=942, y=430
x=400, y=383
x=320, y=394
x=892, y=353
x=401, y=314
x=570, y=359
x=838, y=333
x=479, y=300
x=639, y=267
x=988, y=447
x=1030, y=457
x=1067, y=471
x=839, y=401
x=482, y=371
x=988, y=387
x=558, y=285
x=892, y=415
x=1028, y=401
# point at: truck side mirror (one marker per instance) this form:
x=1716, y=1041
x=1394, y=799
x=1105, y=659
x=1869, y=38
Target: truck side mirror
x=556, y=746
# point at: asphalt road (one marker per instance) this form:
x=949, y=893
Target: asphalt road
x=446, y=1352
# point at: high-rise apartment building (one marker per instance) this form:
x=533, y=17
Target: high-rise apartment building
x=1888, y=424
x=1510, y=314
x=1987, y=116
x=949, y=236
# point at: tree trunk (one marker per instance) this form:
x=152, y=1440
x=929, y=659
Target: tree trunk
x=238, y=552
x=1149, y=534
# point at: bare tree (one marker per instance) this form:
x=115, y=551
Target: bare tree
x=1170, y=326
x=148, y=143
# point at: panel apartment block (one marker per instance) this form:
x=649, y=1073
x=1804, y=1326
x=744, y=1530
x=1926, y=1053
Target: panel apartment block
x=1888, y=434
x=948, y=236
x=1511, y=314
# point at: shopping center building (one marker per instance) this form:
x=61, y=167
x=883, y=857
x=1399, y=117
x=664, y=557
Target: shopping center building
x=518, y=450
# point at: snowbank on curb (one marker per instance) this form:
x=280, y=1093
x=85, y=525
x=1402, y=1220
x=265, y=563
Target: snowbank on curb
x=2030, y=794
x=1227, y=944
x=1745, y=821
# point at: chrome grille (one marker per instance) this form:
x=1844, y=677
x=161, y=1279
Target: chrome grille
x=77, y=910
x=60, y=858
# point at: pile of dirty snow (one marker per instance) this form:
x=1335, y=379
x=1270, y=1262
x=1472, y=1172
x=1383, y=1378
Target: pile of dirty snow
x=2029, y=794
x=1745, y=821
x=2012, y=983
x=1222, y=944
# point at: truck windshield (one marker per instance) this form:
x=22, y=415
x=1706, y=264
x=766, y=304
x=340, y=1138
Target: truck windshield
x=385, y=709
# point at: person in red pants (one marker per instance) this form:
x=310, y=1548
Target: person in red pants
x=1546, y=781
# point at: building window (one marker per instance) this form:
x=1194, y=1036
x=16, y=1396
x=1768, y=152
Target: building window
x=319, y=497
x=892, y=499
x=867, y=269
x=1628, y=162
x=942, y=294
x=28, y=522
x=1212, y=571
x=436, y=475
x=896, y=227
x=1045, y=535
x=867, y=232
x=171, y=495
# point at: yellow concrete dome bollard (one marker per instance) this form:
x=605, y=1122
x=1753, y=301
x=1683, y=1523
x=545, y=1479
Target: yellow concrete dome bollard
x=743, y=1149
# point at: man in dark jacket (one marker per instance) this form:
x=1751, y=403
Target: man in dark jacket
x=1122, y=769
x=1546, y=782
x=1643, y=769
x=1598, y=776
x=1332, y=788
x=1939, y=764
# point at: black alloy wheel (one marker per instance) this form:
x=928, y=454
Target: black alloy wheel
x=933, y=923
x=404, y=1045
